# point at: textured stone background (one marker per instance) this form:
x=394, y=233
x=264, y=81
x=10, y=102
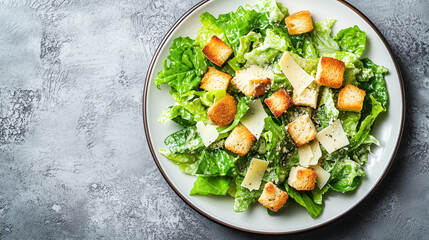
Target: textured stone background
x=74, y=162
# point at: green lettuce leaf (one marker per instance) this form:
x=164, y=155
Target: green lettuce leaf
x=321, y=37
x=244, y=197
x=304, y=199
x=186, y=140
x=317, y=194
x=192, y=102
x=183, y=67
x=178, y=114
x=350, y=121
x=345, y=176
x=239, y=23
x=276, y=12
x=188, y=162
x=210, y=185
x=212, y=96
x=208, y=30
x=365, y=126
x=217, y=163
x=352, y=40
x=247, y=42
x=327, y=112
x=274, y=45
x=309, y=51
x=376, y=85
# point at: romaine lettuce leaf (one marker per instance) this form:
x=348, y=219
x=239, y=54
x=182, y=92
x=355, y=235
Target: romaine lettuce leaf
x=350, y=121
x=178, y=114
x=186, y=140
x=308, y=50
x=211, y=185
x=212, y=96
x=217, y=163
x=352, y=40
x=276, y=12
x=303, y=199
x=239, y=23
x=192, y=102
x=208, y=30
x=327, y=112
x=321, y=37
x=317, y=194
x=184, y=66
x=274, y=44
x=246, y=43
x=345, y=176
x=244, y=197
x=376, y=85
x=365, y=126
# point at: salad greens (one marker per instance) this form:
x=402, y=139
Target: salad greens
x=259, y=36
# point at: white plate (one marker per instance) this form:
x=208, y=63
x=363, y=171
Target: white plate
x=388, y=127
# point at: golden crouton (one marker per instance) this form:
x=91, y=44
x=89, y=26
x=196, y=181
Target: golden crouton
x=217, y=51
x=279, y=102
x=299, y=22
x=252, y=81
x=302, y=178
x=330, y=72
x=302, y=130
x=215, y=80
x=223, y=111
x=273, y=197
x=240, y=140
x=307, y=98
x=351, y=98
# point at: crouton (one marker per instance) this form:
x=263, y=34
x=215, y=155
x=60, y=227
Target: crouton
x=330, y=72
x=279, y=102
x=252, y=81
x=299, y=22
x=240, y=140
x=307, y=98
x=302, y=130
x=215, y=80
x=351, y=98
x=223, y=111
x=273, y=197
x=217, y=51
x=302, y=179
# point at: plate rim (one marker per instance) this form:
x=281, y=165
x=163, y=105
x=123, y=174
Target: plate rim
x=214, y=219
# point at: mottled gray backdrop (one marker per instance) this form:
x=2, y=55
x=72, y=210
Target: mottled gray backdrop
x=74, y=162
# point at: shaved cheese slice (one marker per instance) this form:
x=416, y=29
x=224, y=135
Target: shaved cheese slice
x=317, y=153
x=253, y=178
x=322, y=176
x=254, y=118
x=305, y=154
x=333, y=137
x=208, y=133
x=299, y=78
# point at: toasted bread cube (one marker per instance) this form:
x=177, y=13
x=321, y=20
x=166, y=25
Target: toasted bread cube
x=223, y=111
x=330, y=72
x=302, y=179
x=252, y=81
x=307, y=98
x=273, y=197
x=240, y=140
x=279, y=102
x=299, y=22
x=302, y=130
x=215, y=80
x=351, y=98
x=217, y=51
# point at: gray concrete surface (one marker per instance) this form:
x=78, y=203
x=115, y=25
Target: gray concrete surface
x=74, y=162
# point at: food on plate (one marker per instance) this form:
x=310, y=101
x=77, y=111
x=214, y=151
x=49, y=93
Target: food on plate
x=274, y=107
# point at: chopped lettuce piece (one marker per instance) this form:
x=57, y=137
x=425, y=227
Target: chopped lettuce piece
x=345, y=176
x=184, y=66
x=251, y=40
x=212, y=96
x=217, y=163
x=178, y=114
x=376, y=85
x=244, y=197
x=211, y=185
x=276, y=12
x=303, y=199
x=350, y=121
x=208, y=30
x=186, y=140
x=352, y=40
x=321, y=37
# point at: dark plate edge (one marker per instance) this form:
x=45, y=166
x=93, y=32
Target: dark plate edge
x=152, y=150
